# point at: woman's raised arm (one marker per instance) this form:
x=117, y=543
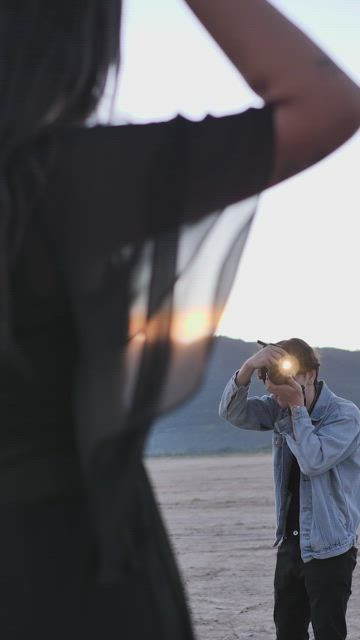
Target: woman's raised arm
x=316, y=105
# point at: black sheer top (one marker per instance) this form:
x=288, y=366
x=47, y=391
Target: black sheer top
x=124, y=271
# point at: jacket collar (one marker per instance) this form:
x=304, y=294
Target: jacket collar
x=322, y=403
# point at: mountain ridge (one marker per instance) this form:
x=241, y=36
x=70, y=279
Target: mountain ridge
x=195, y=428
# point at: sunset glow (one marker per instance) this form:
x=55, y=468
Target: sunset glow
x=140, y=337
x=189, y=326
x=186, y=326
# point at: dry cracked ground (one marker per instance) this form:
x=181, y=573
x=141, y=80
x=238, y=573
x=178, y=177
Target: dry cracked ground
x=219, y=512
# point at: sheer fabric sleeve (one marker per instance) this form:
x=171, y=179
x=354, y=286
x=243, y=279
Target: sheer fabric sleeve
x=149, y=222
x=131, y=181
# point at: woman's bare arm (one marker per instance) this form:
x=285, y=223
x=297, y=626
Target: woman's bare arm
x=316, y=105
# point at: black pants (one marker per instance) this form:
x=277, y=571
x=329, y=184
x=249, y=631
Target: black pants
x=316, y=591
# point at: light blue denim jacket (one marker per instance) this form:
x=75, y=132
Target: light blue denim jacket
x=327, y=448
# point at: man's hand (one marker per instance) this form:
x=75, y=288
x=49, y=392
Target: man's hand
x=290, y=393
x=266, y=357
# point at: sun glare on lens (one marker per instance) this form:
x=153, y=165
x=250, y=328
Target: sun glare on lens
x=289, y=365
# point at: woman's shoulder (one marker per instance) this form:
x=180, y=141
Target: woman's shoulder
x=254, y=122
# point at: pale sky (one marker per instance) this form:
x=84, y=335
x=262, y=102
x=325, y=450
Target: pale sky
x=299, y=275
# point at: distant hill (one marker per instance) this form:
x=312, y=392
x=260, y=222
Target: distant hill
x=196, y=428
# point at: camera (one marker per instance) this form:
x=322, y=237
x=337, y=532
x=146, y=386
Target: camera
x=285, y=368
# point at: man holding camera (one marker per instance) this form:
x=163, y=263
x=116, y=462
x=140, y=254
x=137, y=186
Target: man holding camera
x=316, y=454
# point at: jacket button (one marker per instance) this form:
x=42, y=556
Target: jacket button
x=295, y=533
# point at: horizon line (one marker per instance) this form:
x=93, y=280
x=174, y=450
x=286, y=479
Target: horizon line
x=253, y=341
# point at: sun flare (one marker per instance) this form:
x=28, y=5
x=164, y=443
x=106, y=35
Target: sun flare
x=189, y=326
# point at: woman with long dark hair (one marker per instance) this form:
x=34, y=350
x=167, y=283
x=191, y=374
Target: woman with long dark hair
x=110, y=237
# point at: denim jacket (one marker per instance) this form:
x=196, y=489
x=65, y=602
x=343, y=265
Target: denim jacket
x=327, y=448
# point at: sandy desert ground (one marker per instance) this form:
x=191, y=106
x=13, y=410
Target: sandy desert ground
x=220, y=515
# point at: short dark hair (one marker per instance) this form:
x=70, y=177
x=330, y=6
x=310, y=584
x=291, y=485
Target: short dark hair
x=307, y=356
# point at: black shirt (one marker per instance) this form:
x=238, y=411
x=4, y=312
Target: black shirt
x=293, y=516
x=132, y=233
x=109, y=189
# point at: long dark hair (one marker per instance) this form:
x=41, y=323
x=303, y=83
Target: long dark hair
x=55, y=59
